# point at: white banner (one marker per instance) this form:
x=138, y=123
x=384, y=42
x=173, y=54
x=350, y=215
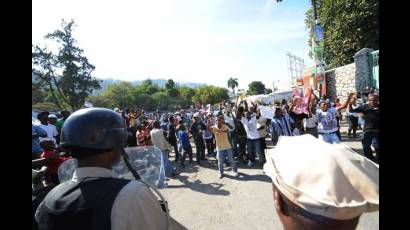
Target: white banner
x=267, y=112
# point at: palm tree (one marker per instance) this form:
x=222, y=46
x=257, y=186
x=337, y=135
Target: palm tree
x=233, y=83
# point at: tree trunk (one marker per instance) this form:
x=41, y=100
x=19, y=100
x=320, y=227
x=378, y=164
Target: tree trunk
x=50, y=69
x=314, y=10
x=50, y=85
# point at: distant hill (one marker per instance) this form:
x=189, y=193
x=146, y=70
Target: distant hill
x=109, y=81
x=160, y=82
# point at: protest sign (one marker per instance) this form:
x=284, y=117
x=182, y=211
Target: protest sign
x=267, y=112
x=301, y=105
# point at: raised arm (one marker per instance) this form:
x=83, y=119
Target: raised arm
x=346, y=102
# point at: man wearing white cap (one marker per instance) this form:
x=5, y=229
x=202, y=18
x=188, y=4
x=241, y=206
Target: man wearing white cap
x=327, y=187
x=51, y=130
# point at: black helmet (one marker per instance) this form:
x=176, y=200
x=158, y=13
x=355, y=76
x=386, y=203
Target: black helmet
x=94, y=128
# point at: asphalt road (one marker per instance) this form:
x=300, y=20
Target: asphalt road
x=198, y=199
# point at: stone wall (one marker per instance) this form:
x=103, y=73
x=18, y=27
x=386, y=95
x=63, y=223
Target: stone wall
x=354, y=77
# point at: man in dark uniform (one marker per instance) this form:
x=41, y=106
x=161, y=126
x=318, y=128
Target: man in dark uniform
x=95, y=198
x=196, y=130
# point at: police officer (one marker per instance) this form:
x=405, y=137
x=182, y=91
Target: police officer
x=196, y=130
x=95, y=198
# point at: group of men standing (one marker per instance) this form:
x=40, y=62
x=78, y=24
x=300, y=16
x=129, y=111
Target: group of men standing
x=322, y=120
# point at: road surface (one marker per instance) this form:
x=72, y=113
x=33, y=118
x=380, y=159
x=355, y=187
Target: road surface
x=198, y=199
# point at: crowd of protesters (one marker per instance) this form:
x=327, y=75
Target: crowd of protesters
x=230, y=133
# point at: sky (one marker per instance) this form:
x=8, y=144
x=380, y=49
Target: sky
x=204, y=41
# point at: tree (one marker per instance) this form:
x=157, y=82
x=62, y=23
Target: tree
x=233, y=83
x=349, y=26
x=186, y=92
x=268, y=91
x=147, y=87
x=170, y=88
x=67, y=75
x=256, y=87
x=210, y=94
x=119, y=95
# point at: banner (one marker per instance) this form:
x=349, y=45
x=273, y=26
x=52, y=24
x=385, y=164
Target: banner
x=267, y=112
x=296, y=93
x=301, y=105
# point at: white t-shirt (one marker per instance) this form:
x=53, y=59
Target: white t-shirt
x=250, y=128
x=310, y=122
x=259, y=123
x=229, y=120
x=51, y=133
x=327, y=122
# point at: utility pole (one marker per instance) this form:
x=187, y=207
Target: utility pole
x=317, y=46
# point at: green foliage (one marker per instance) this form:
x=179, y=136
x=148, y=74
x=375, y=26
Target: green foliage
x=37, y=95
x=210, y=94
x=119, y=95
x=66, y=75
x=45, y=106
x=170, y=88
x=268, y=91
x=349, y=27
x=232, y=83
x=255, y=88
x=125, y=95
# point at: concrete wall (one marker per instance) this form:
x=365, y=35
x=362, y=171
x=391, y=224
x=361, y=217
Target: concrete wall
x=354, y=77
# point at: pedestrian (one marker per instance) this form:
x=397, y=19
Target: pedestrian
x=95, y=198
x=65, y=114
x=371, y=125
x=46, y=126
x=297, y=118
x=126, y=115
x=223, y=146
x=196, y=130
x=159, y=141
x=54, y=160
x=281, y=125
x=133, y=117
x=253, y=138
x=229, y=119
x=143, y=137
x=327, y=122
x=307, y=174
x=352, y=119
x=172, y=138
x=242, y=136
x=36, y=133
x=261, y=127
x=183, y=137
x=310, y=123
x=338, y=118
x=208, y=136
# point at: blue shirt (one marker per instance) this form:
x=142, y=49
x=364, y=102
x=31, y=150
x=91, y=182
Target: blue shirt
x=184, y=139
x=36, y=132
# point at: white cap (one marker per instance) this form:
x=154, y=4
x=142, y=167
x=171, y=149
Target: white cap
x=330, y=180
x=52, y=116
